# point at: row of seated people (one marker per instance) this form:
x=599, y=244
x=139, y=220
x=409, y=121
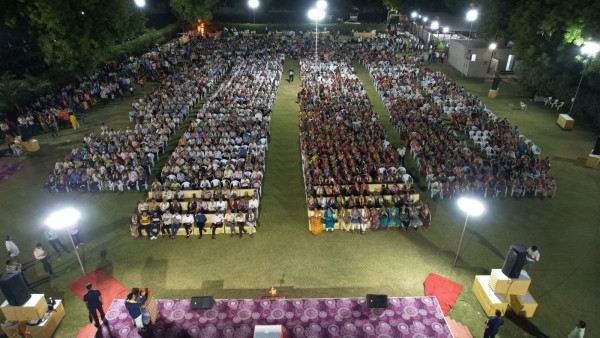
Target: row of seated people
x=171, y=224
x=225, y=147
x=341, y=137
x=376, y=218
x=203, y=195
x=515, y=188
x=436, y=149
x=360, y=201
x=113, y=178
x=359, y=189
x=160, y=114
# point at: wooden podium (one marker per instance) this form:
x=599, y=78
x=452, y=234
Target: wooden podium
x=150, y=303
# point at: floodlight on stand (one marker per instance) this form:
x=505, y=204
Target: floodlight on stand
x=493, y=46
x=445, y=29
x=63, y=219
x=140, y=3
x=471, y=207
x=414, y=14
x=254, y=5
x=589, y=51
x=425, y=19
x=321, y=4
x=435, y=25
x=472, y=15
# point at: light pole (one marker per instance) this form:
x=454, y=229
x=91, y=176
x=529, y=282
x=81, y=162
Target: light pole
x=471, y=17
x=435, y=25
x=63, y=219
x=471, y=207
x=317, y=14
x=254, y=5
x=492, y=48
x=589, y=51
x=414, y=15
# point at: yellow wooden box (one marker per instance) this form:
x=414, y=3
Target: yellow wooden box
x=46, y=328
x=33, y=309
x=565, y=121
x=524, y=306
x=500, y=283
x=489, y=301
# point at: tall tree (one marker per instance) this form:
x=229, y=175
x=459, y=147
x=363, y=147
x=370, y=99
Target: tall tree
x=192, y=10
x=71, y=34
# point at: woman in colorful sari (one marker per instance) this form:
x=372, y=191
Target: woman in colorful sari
x=425, y=216
x=384, y=219
x=394, y=216
x=316, y=222
x=329, y=222
x=375, y=222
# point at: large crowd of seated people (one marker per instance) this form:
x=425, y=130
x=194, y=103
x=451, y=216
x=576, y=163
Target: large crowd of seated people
x=121, y=159
x=352, y=174
x=220, y=158
x=436, y=117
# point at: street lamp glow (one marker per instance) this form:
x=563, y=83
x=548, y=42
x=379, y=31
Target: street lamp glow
x=414, y=14
x=63, y=218
x=425, y=19
x=493, y=46
x=590, y=49
x=472, y=15
x=435, y=25
x=316, y=14
x=471, y=206
x=321, y=4
x=140, y=3
x=253, y=4
x=445, y=29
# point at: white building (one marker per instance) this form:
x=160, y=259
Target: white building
x=474, y=58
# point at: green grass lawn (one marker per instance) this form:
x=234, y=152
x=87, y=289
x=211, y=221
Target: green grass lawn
x=286, y=255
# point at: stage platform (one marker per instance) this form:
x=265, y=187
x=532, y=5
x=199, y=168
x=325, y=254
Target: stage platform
x=416, y=317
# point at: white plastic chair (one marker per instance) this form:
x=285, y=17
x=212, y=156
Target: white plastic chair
x=523, y=105
x=554, y=103
x=559, y=106
x=547, y=100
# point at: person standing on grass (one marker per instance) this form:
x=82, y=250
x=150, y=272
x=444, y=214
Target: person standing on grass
x=74, y=232
x=578, y=331
x=93, y=301
x=291, y=77
x=12, y=251
x=492, y=325
x=134, y=307
x=533, y=255
x=42, y=256
x=200, y=220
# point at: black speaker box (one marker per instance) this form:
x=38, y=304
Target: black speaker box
x=495, y=83
x=596, y=150
x=202, y=303
x=514, y=261
x=14, y=288
x=377, y=301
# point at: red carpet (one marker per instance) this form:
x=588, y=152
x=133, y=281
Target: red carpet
x=110, y=288
x=445, y=290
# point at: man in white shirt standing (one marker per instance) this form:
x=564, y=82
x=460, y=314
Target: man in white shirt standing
x=12, y=250
x=42, y=256
x=533, y=255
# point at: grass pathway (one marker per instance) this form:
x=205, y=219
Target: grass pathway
x=283, y=202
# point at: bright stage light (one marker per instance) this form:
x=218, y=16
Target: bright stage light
x=63, y=218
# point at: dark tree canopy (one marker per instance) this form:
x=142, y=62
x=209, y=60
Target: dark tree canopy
x=192, y=10
x=72, y=34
